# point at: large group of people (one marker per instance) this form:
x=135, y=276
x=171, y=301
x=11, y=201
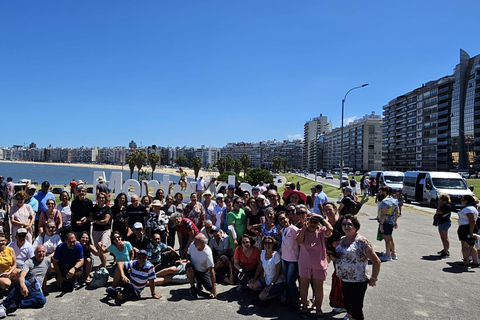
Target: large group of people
x=257, y=241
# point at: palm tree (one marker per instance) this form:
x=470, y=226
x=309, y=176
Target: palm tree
x=196, y=165
x=237, y=167
x=220, y=164
x=229, y=163
x=131, y=160
x=154, y=158
x=140, y=158
x=245, y=160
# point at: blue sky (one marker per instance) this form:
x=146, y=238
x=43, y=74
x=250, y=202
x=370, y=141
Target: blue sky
x=191, y=72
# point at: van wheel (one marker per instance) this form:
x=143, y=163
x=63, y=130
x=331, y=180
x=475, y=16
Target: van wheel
x=434, y=203
x=406, y=199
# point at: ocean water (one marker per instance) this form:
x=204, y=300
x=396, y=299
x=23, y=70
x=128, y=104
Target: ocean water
x=57, y=174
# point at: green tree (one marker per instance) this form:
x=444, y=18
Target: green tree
x=154, y=159
x=225, y=174
x=229, y=163
x=237, y=167
x=196, y=165
x=276, y=163
x=182, y=161
x=254, y=176
x=143, y=175
x=284, y=164
x=131, y=163
x=140, y=158
x=220, y=164
x=245, y=159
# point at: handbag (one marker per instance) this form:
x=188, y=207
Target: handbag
x=100, y=278
x=436, y=218
x=336, y=294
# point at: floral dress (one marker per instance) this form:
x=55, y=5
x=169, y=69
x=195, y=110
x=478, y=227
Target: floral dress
x=352, y=262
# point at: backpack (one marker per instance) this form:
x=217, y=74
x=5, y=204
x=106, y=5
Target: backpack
x=100, y=278
x=353, y=207
x=353, y=183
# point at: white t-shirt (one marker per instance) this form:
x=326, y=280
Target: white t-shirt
x=23, y=254
x=50, y=243
x=66, y=214
x=462, y=215
x=217, y=210
x=201, y=260
x=200, y=184
x=269, y=268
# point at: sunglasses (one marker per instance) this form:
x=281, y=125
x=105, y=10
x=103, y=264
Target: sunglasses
x=272, y=196
x=291, y=210
x=301, y=212
x=245, y=241
x=115, y=238
x=269, y=243
x=347, y=224
x=50, y=204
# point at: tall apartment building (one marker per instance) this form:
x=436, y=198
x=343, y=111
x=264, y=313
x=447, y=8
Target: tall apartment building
x=313, y=129
x=433, y=127
x=362, y=145
x=209, y=155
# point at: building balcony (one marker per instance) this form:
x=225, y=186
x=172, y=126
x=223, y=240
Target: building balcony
x=442, y=143
x=443, y=113
x=444, y=97
x=443, y=120
x=443, y=104
x=443, y=128
x=443, y=135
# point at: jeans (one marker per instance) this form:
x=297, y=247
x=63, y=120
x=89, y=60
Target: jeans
x=35, y=298
x=290, y=270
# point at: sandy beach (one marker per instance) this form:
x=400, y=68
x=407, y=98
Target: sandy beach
x=158, y=169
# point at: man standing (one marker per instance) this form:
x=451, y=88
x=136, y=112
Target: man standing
x=274, y=200
x=200, y=268
x=73, y=185
x=387, y=219
x=27, y=292
x=23, y=249
x=101, y=187
x=68, y=262
x=353, y=184
x=10, y=192
x=42, y=196
x=136, y=212
x=82, y=209
x=3, y=189
x=139, y=273
x=320, y=199
x=200, y=187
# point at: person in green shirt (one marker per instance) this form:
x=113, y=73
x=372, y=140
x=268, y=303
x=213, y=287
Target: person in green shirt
x=237, y=223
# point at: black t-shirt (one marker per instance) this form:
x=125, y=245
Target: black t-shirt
x=337, y=234
x=140, y=244
x=446, y=210
x=136, y=214
x=80, y=209
x=348, y=204
x=255, y=219
x=99, y=214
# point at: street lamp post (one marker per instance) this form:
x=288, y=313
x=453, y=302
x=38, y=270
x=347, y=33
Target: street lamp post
x=341, y=132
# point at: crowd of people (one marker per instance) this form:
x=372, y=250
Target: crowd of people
x=255, y=240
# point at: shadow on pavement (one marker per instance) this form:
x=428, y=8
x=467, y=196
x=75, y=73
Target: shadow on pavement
x=454, y=268
x=432, y=257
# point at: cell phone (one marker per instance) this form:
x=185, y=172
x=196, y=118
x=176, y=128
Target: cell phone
x=240, y=276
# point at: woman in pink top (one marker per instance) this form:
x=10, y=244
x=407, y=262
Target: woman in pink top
x=22, y=215
x=312, y=262
x=289, y=250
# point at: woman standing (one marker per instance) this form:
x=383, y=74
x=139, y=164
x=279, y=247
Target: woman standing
x=169, y=208
x=353, y=253
x=290, y=250
x=255, y=217
x=467, y=218
x=65, y=209
x=270, y=269
x=178, y=202
x=195, y=211
x=118, y=214
x=312, y=262
x=442, y=220
x=22, y=216
x=270, y=229
x=101, y=216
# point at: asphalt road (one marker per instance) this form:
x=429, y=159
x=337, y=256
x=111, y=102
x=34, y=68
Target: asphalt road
x=418, y=285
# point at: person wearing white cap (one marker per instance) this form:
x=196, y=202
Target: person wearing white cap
x=101, y=187
x=138, y=239
x=208, y=205
x=23, y=249
x=218, y=211
x=157, y=221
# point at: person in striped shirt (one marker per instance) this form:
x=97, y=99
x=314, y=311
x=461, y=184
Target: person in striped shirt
x=130, y=284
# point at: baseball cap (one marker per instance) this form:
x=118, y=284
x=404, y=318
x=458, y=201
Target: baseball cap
x=137, y=225
x=141, y=252
x=231, y=186
x=22, y=231
x=220, y=195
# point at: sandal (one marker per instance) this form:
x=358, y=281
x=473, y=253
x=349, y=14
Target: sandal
x=304, y=313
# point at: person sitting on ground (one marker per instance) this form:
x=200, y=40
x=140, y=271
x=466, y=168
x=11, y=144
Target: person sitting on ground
x=8, y=264
x=68, y=262
x=200, y=267
x=154, y=251
x=131, y=277
x=49, y=239
x=138, y=239
x=122, y=250
x=27, y=291
x=270, y=271
x=176, y=274
x=219, y=243
x=23, y=249
x=224, y=270
x=88, y=250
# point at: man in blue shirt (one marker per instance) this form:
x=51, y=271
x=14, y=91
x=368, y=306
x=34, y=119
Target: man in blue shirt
x=42, y=196
x=68, y=263
x=320, y=199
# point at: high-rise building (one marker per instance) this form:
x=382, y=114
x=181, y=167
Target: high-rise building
x=313, y=129
x=132, y=145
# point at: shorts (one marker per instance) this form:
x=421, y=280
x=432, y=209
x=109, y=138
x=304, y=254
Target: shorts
x=129, y=292
x=181, y=276
x=463, y=232
x=387, y=229
x=103, y=236
x=202, y=277
x=444, y=226
x=310, y=273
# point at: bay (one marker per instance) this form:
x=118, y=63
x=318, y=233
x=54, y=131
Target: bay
x=58, y=174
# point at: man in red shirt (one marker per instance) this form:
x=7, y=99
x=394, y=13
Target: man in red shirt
x=73, y=185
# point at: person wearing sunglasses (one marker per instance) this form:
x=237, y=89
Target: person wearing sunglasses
x=23, y=249
x=245, y=261
x=22, y=215
x=352, y=255
x=49, y=239
x=53, y=214
x=268, y=279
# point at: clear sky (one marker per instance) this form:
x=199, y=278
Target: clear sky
x=192, y=72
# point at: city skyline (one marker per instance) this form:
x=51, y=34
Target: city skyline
x=190, y=73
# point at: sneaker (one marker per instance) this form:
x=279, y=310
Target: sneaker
x=111, y=292
x=394, y=257
x=9, y=308
x=439, y=252
x=76, y=285
x=445, y=254
x=339, y=310
x=240, y=288
x=385, y=259
x=474, y=265
x=463, y=265
x=193, y=293
x=3, y=312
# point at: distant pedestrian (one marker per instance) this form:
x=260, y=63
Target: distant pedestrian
x=73, y=185
x=442, y=220
x=466, y=229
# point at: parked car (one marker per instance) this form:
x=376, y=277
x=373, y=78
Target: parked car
x=57, y=190
x=329, y=176
x=357, y=173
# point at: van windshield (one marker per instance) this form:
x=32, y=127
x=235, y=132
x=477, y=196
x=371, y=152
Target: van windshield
x=393, y=179
x=443, y=183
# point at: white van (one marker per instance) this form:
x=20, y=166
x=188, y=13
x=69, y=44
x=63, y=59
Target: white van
x=424, y=187
x=392, y=179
